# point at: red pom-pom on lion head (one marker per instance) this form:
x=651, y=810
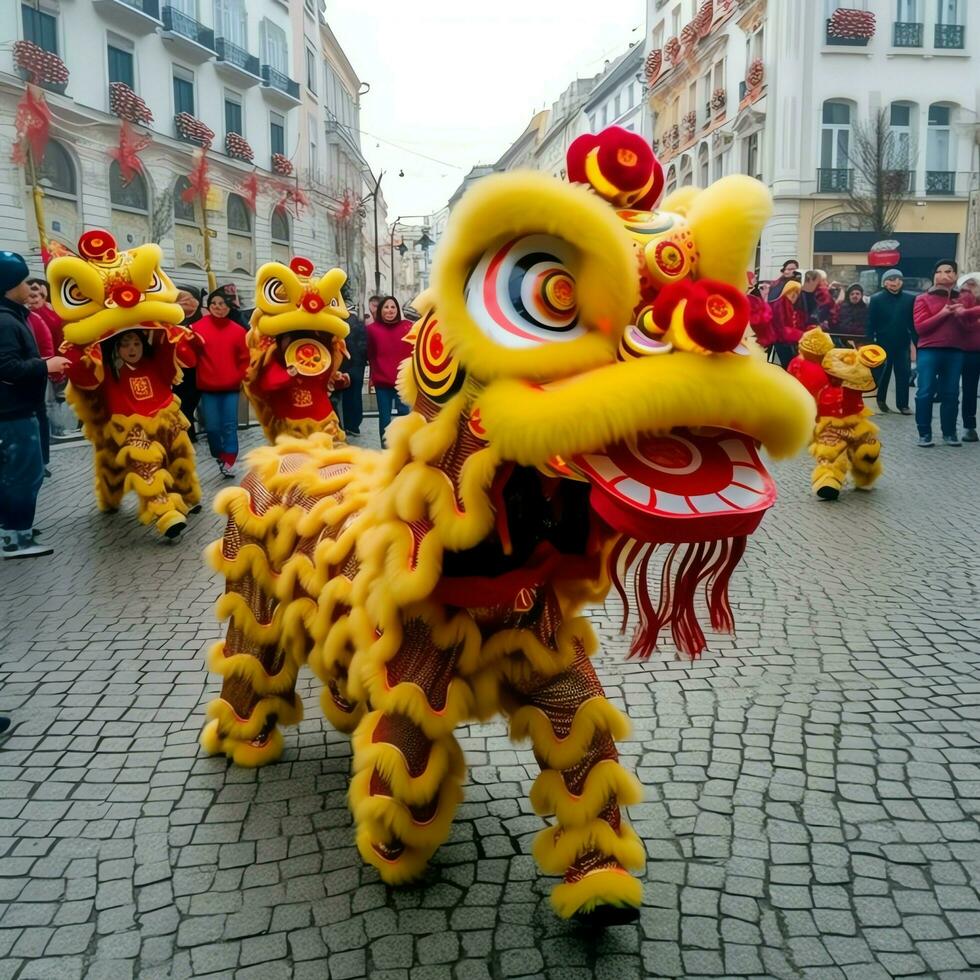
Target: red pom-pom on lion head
x=619, y=166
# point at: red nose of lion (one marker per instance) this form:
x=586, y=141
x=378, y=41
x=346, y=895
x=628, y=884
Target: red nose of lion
x=313, y=303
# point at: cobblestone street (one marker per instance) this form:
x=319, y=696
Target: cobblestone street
x=812, y=785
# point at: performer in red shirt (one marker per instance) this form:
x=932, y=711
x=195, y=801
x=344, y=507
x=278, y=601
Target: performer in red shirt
x=132, y=379
x=843, y=438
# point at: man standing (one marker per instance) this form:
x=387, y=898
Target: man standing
x=23, y=379
x=890, y=325
x=355, y=364
x=947, y=323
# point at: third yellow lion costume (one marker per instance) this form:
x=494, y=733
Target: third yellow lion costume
x=569, y=416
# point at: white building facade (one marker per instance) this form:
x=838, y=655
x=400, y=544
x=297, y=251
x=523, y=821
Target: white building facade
x=186, y=72
x=781, y=91
x=616, y=98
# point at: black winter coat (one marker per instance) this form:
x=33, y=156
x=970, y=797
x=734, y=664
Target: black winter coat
x=23, y=373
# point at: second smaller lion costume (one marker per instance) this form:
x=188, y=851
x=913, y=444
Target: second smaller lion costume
x=844, y=438
x=297, y=343
x=126, y=348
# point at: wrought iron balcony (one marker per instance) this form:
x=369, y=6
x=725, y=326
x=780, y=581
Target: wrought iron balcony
x=275, y=83
x=908, y=35
x=941, y=182
x=180, y=27
x=950, y=36
x=834, y=180
x=236, y=59
x=844, y=42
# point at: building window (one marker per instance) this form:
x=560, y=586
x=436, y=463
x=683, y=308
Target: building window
x=908, y=12
x=277, y=133
x=938, y=144
x=239, y=218
x=948, y=12
x=183, y=210
x=233, y=115
x=56, y=172
x=631, y=94
x=41, y=28
x=183, y=91
x=835, y=137
x=121, y=66
x=134, y=196
x=231, y=22
x=314, y=162
x=617, y=106
x=719, y=166
x=704, y=176
x=311, y=70
x=275, y=50
x=900, y=120
x=752, y=155
x=280, y=227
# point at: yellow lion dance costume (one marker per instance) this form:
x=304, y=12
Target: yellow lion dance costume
x=128, y=410
x=297, y=343
x=844, y=438
x=580, y=397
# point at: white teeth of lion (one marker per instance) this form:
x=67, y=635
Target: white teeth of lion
x=671, y=503
x=605, y=467
x=748, y=477
x=736, y=451
x=637, y=492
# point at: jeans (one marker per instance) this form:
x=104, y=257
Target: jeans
x=388, y=403
x=45, y=431
x=352, y=400
x=21, y=472
x=939, y=373
x=971, y=380
x=899, y=362
x=221, y=421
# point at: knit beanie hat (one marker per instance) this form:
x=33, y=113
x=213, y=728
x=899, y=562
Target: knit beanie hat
x=13, y=271
x=892, y=274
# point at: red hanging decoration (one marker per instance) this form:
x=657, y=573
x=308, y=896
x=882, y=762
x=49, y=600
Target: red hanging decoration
x=32, y=125
x=292, y=201
x=126, y=154
x=248, y=189
x=198, y=184
x=344, y=214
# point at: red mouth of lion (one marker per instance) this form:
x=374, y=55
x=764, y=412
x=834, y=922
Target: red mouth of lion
x=688, y=485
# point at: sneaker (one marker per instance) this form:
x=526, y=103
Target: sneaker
x=971, y=436
x=906, y=411
x=883, y=408
x=925, y=442
x=951, y=441
x=227, y=470
x=30, y=550
x=353, y=432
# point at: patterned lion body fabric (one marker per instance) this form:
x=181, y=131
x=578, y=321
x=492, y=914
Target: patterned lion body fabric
x=128, y=412
x=582, y=405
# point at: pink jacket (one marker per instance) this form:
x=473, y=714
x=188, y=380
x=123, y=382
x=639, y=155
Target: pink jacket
x=938, y=326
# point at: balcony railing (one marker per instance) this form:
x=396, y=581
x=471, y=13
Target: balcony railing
x=950, y=36
x=940, y=182
x=277, y=80
x=908, y=35
x=177, y=22
x=844, y=42
x=834, y=180
x=239, y=57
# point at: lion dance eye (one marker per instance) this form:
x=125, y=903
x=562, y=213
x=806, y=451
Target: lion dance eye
x=274, y=291
x=437, y=372
x=72, y=295
x=522, y=293
x=156, y=285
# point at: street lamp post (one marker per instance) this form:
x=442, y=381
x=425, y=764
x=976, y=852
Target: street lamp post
x=424, y=242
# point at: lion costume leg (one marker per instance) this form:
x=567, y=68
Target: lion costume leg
x=109, y=479
x=864, y=452
x=181, y=461
x=409, y=769
x=572, y=728
x=829, y=449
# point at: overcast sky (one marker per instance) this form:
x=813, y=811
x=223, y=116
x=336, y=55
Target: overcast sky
x=458, y=80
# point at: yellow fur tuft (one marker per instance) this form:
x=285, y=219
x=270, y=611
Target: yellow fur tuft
x=556, y=849
x=607, y=779
x=605, y=887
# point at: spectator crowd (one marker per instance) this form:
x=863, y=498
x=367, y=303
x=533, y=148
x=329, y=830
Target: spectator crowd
x=932, y=339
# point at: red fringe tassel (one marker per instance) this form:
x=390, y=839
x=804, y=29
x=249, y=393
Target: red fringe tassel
x=710, y=563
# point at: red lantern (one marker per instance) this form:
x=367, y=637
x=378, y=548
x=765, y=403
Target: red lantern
x=885, y=254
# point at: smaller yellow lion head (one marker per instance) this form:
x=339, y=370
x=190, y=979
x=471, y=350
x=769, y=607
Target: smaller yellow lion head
x=102, y=290
x=289, y=298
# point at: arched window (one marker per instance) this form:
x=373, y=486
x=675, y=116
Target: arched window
x=56, y=172
x=835, y=147
x=239, y=218
x=183, y=210
x=670, y=184
x=901, y=118
x=280, y=227
x=134, y=196
x=687, y=171
x=704, y=175
x=938, y=154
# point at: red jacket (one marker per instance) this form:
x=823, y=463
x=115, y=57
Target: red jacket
x=54, y=323
x=143, y=389
x=837, y=401
x=938, y=327
x=42, y=334
x=222, y=357
x=809, y=374
x=760, y=320
x=788, y=321
x=386, y=349
x=294, y=396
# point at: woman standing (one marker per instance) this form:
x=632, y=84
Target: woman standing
x=221, y=365
x=39, y=325
x=852, y=318
x=386, y=349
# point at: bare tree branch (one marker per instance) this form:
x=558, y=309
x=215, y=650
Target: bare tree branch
x=883, y=173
